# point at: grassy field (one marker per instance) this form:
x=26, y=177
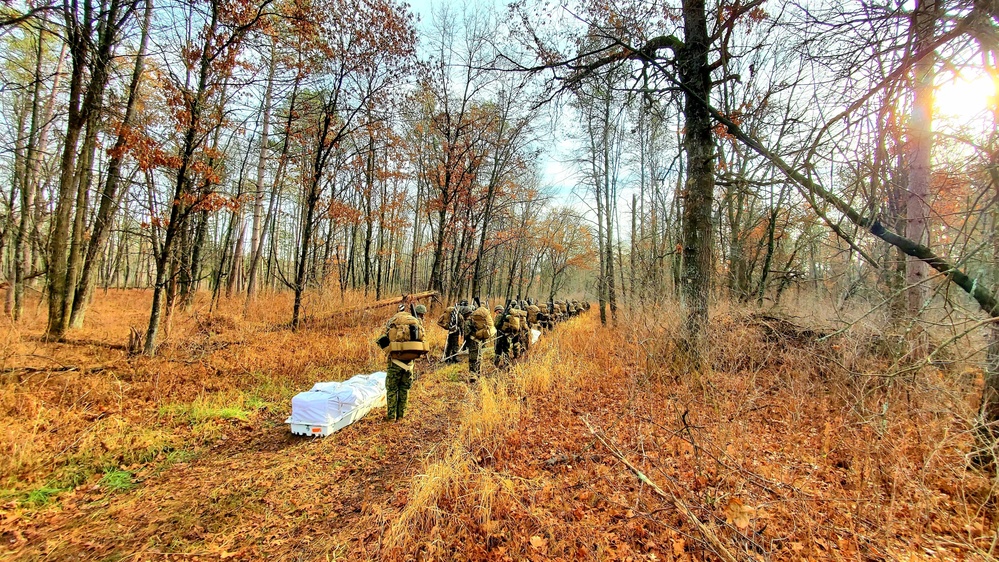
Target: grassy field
x=600, y=446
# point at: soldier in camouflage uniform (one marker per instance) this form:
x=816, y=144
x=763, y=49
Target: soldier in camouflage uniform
x=450, y=320
x=514, y=336
x=399, y=379
x=525, y=328
x=502, y=345
x=473, y=345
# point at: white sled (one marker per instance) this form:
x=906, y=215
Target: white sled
x=331, y=406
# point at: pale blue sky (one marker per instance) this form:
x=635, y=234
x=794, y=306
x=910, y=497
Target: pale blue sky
x=558, y=176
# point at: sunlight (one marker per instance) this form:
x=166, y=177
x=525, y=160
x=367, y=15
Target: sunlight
x=964, y=96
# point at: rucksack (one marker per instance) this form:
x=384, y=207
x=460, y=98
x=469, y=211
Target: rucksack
x=522, y=319
x=511, y=322
x=532, y=313
x=482, y=324
x=445, y=319
x=405, y=334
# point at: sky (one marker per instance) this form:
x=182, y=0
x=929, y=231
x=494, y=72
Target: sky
x=557, y=176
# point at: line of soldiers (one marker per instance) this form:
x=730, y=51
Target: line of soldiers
x=470, y=327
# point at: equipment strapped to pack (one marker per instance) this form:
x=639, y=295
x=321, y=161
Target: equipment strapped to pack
x=405, y=338
x=482, y=324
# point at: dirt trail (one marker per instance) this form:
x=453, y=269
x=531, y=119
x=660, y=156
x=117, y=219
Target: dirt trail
x=259, y=492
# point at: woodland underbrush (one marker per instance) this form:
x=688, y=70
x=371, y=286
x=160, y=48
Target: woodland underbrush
x=78, y=411
x=802, y=443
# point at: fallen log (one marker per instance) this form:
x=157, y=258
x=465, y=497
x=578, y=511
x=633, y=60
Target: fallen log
x=389, y=302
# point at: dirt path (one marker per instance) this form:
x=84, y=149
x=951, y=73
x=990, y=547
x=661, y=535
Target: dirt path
x=259, y=493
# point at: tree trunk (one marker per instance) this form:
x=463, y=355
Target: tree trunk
x=110, y=196
x=698, y=143
x=369, y=219
x=259, y=226
x=59, y=241
x=257, y=249
x=84, y=104
x=919, y=146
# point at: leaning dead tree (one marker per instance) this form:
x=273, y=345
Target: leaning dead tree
x=402, y=299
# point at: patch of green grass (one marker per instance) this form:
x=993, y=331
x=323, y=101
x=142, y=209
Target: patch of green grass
x=256, y=403
x=35, y=498
x=116, y=480
x=173, y=457
x=269, y=395
x=207, y=409
x=453, y=373
x=41, y=497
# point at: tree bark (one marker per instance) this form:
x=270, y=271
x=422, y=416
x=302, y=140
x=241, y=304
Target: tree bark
x=698, y=144
x=919, y=147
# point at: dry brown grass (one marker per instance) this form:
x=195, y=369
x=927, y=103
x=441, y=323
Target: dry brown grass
x=793, y=447
x=77, y=409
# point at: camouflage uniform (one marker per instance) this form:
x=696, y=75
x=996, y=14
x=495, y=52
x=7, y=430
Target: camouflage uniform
x=515, y=340
x=451, y=348
x=474, y=347
x=502, y=345
x=525, y=336
x=398, y=380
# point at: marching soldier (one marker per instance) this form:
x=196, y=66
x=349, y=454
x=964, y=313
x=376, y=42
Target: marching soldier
x=478, y=328
x=502, y=346
x=450, y=320
x=403, y=340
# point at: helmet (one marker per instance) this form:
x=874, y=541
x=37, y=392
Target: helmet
x=421, y=310
x=498, y=307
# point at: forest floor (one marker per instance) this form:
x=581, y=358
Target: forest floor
x=793, y=448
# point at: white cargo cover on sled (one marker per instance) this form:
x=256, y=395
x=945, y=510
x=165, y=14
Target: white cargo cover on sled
x=332, y=406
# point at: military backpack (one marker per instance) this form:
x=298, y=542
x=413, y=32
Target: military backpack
x=444, y=321
x=533, y=313
x=522, y=319
x=482, y=324
x=405, y=338
x=511, y=322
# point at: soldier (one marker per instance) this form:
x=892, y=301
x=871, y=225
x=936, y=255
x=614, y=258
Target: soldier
x=545, y=316
x=527, y=323
x=450, y=320
x=399, y=371
x=478, y=329
x=502, y=346
x=511, y=326
x=515, y=332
